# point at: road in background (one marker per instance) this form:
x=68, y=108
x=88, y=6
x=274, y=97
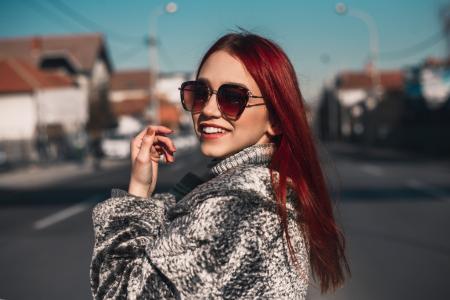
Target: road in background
x=395, y=212
x=394, y=209
x=46, y=232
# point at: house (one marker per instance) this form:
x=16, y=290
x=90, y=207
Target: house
x=84, y=59
x=428, y=90
x=129, y=92
x=130, y=96
x=38, y=110
x=361, y=105
x=166, y=90
x=407, y=109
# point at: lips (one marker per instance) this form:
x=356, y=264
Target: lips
x=203, y=125
x=212, y=131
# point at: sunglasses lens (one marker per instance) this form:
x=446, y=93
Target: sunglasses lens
x=232, y=100
x=194, y=96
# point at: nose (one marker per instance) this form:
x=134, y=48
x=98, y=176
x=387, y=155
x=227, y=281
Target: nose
x=211, y=107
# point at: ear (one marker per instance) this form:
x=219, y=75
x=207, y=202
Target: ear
x=273, y=128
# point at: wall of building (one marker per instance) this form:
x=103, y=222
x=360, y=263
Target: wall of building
x=66, y=106
x=18, y=116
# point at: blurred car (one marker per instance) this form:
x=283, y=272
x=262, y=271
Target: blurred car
x=3, y=158
x=116, y=146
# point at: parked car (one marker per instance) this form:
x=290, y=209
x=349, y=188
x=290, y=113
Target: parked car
x=116, y=146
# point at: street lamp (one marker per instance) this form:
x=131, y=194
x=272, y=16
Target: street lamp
x=169, y=8
x=342, y=9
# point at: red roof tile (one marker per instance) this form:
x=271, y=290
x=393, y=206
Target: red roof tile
x=20, y=76
x=130, y=80
x=389, y=80
x=437, y=62
x=81, y=50
x=130, y=106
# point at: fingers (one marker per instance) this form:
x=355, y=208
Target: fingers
x=167, y=142
x=164, y=145
x=138, y=139
x=143, y=155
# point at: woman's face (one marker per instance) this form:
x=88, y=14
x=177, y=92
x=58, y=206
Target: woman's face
x=252, y=127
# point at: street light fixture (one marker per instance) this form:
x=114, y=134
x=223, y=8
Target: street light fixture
x=342, y=9
x=169, y=8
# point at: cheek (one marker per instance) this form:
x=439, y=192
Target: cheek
x=254, y=122
x=194, y=120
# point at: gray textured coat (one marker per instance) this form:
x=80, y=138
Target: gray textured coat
x=222, y=240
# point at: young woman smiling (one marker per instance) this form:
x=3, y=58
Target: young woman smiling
x=258, y=226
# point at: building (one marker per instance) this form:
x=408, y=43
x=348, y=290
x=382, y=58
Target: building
x=83, y=59
x=129, y=92
x=407, y=109
x=361, y=106
x=130, y=96
x=37, y=108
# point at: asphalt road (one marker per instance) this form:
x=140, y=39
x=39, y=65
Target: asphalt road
x=46, y=233
x=394, y=209
x=395, y=212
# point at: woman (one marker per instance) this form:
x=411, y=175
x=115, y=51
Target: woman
x=262, y=221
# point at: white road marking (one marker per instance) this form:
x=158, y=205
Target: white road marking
x=427, y=189
x=372, y=170
x=65, y=213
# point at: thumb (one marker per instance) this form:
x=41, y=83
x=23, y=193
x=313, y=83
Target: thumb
x=147, y=142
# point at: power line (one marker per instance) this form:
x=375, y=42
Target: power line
x=130, y=53
x=47, y=14
x=88, y=23
x=414, y=49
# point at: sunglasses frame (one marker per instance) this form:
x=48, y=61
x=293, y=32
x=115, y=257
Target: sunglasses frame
x=211, y=92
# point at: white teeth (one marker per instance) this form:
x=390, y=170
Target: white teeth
x=213, y=130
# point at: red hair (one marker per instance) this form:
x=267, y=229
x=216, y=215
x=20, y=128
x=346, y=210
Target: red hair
x=296, y=159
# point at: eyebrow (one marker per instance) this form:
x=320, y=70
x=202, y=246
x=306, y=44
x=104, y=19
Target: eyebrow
x=205, y=80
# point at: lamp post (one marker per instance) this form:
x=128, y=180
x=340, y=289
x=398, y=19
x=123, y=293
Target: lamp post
x=169, y=8
x=342, y=9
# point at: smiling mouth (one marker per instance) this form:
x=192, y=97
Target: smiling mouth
x=209, y=132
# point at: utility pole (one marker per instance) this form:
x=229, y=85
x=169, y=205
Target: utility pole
x=153, y=110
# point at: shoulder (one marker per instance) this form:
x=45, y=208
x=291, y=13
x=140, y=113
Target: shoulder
x=251, y=181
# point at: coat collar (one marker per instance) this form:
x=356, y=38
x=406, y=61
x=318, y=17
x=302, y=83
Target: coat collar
x=259, y=154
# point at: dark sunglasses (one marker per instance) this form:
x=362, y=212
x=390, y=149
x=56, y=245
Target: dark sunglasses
x=231, y=98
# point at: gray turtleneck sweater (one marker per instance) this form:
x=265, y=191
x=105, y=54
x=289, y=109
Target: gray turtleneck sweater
x=220, y=240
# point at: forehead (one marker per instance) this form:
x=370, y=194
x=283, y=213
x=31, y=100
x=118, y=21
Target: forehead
x=221, y=67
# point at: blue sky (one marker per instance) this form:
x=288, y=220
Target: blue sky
x=308, y=30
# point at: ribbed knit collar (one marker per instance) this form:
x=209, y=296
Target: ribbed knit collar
x=255, y=154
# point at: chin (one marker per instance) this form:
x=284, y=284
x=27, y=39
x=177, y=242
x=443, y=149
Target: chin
x=213, y=151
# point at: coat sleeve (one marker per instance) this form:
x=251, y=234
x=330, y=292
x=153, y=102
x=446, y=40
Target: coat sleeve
x=123, y=224
x=214, y=251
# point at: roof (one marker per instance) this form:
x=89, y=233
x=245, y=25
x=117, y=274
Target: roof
x=21, y=76
x=81, y=50
x=130, y=80
x=130, y=106
x=437, y=62
x=389, y=80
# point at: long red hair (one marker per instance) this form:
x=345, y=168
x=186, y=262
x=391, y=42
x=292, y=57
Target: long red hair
x=296, y=157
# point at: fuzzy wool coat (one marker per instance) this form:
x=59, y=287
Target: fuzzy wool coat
x=221, y=240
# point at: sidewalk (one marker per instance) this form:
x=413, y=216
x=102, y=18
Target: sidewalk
x=42, y=175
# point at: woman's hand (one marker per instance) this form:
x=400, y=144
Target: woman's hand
x=146, y=149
